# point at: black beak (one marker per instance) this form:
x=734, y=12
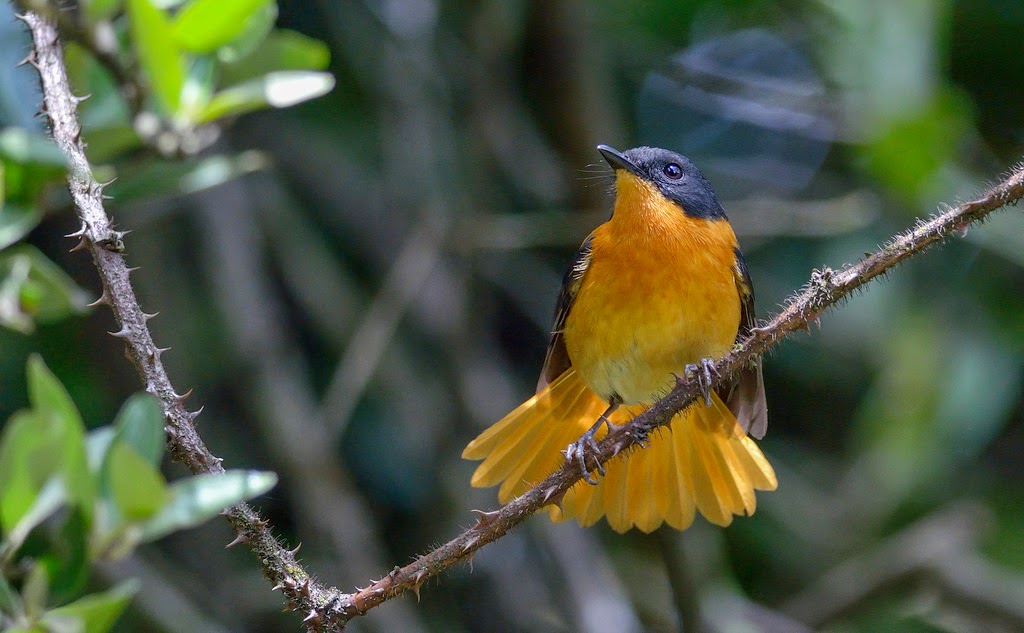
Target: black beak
x=617, y=160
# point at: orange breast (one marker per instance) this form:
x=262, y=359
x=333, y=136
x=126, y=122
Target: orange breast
x=659, y=293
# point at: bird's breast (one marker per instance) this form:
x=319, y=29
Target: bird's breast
x=645, y=309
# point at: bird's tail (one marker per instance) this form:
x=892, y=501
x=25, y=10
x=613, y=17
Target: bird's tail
x=701, y=461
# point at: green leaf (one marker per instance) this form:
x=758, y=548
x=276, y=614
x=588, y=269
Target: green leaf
x=67, y=559
x=105, y=107
x=140, y=425
x=23, y=146
x=16, y=220
x=96, y=10
x=29, y=161
x=97, y=443
x=99, y=611
x=35, y=290
x=162, y=177
x=197, y=499
x=35, y=591
x=48, y=395
x=50, y=499
x=198, y=88
x=29, y=457
x=281, y=50
x=51, y=401
x=136, y=486
x=256, y=30
x=10, y=601
x=158, y=52
x=277, y=89
x=203, y=26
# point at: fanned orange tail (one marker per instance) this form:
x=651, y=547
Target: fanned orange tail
x=702, y=461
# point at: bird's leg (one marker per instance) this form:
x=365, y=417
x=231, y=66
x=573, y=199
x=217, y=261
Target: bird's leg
x=704, y=374
x=577, y=450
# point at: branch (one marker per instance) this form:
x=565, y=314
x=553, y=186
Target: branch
x=825, y=289
x=328, y=609
x=97, y=235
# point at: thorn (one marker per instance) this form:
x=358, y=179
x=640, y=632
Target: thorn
x=418, y=582
x=79, y=233
x=29, y=59
x=279, y=586
x=192, y=415
x=103, y=300
x=131, y=269
x=239, y=539
x=147, y=316
x=394, y=572
x=470, y=543
x=314, y=616
x=122, y=333
x=549, y=493
x=295, y=551
x=484, y=518
x=76, y=100
x=80, y=246
x=181, y=397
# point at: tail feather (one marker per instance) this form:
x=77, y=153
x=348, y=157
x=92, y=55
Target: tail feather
x=537, y=462
x=701, y=461
x=682, y=507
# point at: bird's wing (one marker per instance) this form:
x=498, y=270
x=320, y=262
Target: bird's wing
x=745, y=395
x=556, y=361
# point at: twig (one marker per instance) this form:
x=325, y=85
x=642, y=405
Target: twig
x=826, y=288
x=329, y=609
x=104, y=243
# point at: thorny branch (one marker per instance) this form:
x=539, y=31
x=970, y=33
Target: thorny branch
x=327, y=608
x=100, y=39
x=825, y=289
x=98, y=236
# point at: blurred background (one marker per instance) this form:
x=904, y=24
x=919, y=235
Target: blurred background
x=370, y=283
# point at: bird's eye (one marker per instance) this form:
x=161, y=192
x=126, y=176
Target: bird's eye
x=673, y=171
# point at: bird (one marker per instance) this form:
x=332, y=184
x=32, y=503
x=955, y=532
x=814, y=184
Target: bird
x=659, y=289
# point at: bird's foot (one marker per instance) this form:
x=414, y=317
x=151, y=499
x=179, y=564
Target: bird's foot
x=704, y=373
x=578, y=450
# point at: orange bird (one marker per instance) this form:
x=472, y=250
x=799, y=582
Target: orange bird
x=659, y=289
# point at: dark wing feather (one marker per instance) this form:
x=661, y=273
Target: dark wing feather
x=745, y=395
x=556, y=361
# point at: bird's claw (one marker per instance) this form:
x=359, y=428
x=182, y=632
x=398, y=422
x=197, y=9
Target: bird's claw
x=578, y=450
x=704, y=373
